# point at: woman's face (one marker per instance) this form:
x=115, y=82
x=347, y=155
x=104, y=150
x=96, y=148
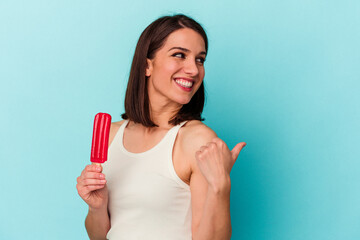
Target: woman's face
x=177, y=70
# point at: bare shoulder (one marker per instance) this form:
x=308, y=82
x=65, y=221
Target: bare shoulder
x=198, y=132
x=114, y=127
x=194, y=135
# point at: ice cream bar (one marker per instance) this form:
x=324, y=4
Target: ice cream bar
x=100, y=139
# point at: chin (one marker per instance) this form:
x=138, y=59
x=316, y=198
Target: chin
x=183, y=101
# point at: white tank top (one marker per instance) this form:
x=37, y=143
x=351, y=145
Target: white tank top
x=147, y=199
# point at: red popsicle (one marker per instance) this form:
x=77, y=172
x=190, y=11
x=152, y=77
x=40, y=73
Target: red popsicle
x=100, y=139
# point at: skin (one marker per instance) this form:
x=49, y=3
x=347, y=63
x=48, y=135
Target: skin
x=200, y=158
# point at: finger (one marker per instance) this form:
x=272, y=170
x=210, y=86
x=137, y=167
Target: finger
x=211, y=144
x=91, y=188
x=202, y=148
x=91, y=168
x=219, y=143
x=95, y=167
x=87, y=182
x=236, y=150
x=93, y=175
x=198, y=155
x=217, y=140
x=85, y=190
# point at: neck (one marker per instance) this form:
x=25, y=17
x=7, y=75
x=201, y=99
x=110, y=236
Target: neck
x=162, y=112
x=162, y=109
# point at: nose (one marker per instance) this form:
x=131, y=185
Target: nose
x=190, y=67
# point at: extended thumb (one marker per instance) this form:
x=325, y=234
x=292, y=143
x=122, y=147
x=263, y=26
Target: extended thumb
x=236, y=150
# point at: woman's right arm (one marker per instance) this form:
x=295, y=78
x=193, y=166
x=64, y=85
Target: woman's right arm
x=97, y=223
x=91, y=186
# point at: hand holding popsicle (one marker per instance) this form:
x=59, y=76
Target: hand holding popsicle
x=91, y=184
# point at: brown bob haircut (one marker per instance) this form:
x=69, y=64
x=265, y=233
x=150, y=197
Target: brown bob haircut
x=137, y=107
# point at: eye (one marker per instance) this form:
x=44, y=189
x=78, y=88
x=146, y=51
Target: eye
x=179, y=54
x=201, y=60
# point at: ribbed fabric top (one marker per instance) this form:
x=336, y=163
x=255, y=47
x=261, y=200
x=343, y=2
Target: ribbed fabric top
x=147, y=199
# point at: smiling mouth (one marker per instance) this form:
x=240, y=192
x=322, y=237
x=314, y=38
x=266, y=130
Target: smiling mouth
x=184, y=83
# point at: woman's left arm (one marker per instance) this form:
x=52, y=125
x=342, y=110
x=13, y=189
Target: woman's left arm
x=210, y=188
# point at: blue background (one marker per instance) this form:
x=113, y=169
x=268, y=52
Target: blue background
x=282, y=76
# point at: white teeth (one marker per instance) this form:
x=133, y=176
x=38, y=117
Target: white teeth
x=184, y=83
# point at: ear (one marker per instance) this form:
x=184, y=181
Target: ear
x=149, y=67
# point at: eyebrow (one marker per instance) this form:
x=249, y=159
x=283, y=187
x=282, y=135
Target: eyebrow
x=184, y=49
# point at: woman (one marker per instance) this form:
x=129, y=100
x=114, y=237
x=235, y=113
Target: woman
x=167, y=174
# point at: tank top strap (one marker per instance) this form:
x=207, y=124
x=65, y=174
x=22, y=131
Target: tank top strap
x=118, y=139
x=182, y=123
x=172, y=135
x=168, y=151
x=175, y=129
